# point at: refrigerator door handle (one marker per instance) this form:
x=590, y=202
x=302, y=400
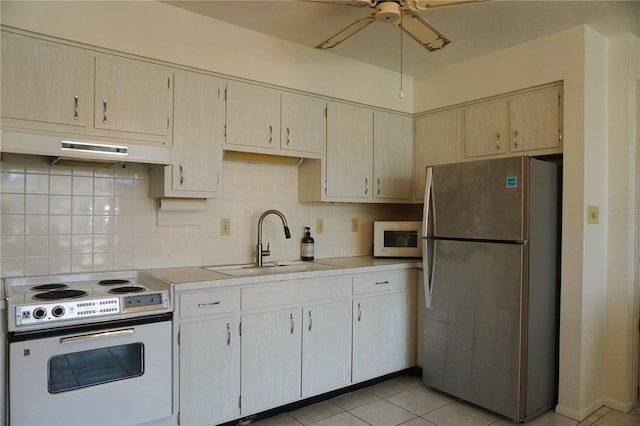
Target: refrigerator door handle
x=428, y=257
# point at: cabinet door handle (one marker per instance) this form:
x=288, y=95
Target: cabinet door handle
x=359, y=312
x=498, y=141
x=270, y=134
x=310, y=320
x=75, y=102
x=202, y=305
x=366, y=186
x=288, y=136
x=217, y=179
x=382, y=282
x=104, y=111
x=181, y=175
x=378, y=186
x=228, y=334
x=515, y=138
x=292, y=323
x=559, y=135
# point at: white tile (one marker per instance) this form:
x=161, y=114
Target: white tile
x=418, y=421
x=455, y=414
x=59, y=245
x=387, y=388
x=37, y=204
x=60, y=224
x=12, y=224
x=81, y=224
x=36, y=224
x=123, y=187
x=12, y=266
x=12, y=183
x=417, y=400
x=103, y=225
x=37, y=184
x=616, y=418
x=342, y=419
x=60, y=185
x=103, y=205
x=382, y=413
x=60, y=204
x=281, y=420
x=123, y=243
x=81, y=244
x=103, y=262
x=123, y=206
x=122, y=261
x=60, y=264
x=36, y=265
x=12, y=246
x=81, y=263
x=354, y=399
x=103, y=187
x=12, y=203
x=141, y=188
x=123, y=224
x=82, y=205
x=82, y=185
x=143, y=206
x=103, y=243
x=36, y=245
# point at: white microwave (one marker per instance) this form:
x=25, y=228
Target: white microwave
x=397, y=239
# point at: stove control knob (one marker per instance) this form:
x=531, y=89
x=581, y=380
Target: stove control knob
x=39, y=313
x=58, y=311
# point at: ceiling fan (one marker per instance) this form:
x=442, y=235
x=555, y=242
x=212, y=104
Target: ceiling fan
x=402, y=14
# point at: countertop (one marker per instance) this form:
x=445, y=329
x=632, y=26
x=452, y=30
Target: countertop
x=195, y=277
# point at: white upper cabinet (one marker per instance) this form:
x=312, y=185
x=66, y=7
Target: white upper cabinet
x=485, y=129
x=253, y=116
x=133, y=96
x=436, y=141
x=198, y=135
x=535, y=120
x=392, y=156
x=44, y=82
x=303, y=123
x=349, y=158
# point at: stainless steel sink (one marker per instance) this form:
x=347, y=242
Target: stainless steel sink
x=279, y=267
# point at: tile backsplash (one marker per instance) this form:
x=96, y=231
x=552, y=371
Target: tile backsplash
x=68, y=219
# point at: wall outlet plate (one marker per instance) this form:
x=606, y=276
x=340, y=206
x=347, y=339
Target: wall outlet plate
x=354, y=224
x=319, y=226
x=225, y=226
x=593, y=215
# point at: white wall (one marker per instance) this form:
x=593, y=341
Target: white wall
x=589, y=375
x=160, y=31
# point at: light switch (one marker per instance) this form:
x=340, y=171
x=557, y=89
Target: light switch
x=319, y=226
x=593, y=215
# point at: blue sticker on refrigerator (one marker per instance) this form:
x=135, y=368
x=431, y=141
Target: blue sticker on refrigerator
x=512, y=182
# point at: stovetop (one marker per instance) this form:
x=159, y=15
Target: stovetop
x=36, y=303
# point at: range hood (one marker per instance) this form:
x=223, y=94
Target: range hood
x=252, y=157
x=70, y=148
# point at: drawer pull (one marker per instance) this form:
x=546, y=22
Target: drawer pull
x=292, y=323
x=359, y=311
x=202, y=305
x=75, y=115
x=228, y=334
x=310, y=320
x=382, y=282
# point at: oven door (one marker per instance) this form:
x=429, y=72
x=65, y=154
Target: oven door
x=119, y=375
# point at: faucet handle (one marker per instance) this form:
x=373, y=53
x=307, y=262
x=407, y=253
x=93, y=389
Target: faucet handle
x=266, y=252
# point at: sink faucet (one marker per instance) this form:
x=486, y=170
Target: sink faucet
x=259, y=251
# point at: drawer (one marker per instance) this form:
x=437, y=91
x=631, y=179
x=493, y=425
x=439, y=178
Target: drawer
x=202, y=303
x=380, y=282
x=296, y=292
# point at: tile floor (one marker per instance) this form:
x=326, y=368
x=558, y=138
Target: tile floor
x=405, y=401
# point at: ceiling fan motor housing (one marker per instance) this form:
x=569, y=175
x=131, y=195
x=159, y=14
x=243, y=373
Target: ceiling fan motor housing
x=388, y=11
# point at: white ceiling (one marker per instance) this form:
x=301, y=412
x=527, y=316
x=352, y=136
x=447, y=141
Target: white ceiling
x=475, y=29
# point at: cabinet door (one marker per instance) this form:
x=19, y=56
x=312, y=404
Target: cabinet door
x=209, y=371
x=383, y=339
x=535, y=120
x=349, y=159
x=303, y=123
x=326, y=348
x=133, y=96
x=485, y=129
x=198, y=128
x=436, y=142
x=46, y=83
x=253, y=115
x=392, y=155
x=271, y=348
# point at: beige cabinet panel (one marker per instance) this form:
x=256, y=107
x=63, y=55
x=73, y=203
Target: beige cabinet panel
x=535, y=120
x=436, y=140
x=485, y=129
x=209, y=371
x=303, y=123
x=253, y=115
x=44, y=82
x=271, y=359
x=326, y=347
x=392, y=156
x=132, y=96
x=349, y=158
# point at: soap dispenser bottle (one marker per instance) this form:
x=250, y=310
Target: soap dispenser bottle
x=307, y=245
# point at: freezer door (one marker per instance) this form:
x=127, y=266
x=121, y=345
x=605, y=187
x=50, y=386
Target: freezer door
x=480, y=199
x=472, y=332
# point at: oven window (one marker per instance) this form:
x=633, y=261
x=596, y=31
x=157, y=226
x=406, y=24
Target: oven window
x=401, y=238
x=93, y=367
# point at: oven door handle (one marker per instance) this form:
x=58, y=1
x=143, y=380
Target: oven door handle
x=100, y=335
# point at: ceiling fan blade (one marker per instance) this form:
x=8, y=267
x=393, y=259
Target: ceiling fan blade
x=420, y=30
x=347, y=32
x=357, y=3
x=417, y=5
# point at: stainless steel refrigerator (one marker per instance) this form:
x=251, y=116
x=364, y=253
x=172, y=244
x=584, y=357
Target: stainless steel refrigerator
x=490, y=250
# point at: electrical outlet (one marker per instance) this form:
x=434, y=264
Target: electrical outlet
x=319, y=226
x=354, y=224
x=593, y=215
x=225, y=226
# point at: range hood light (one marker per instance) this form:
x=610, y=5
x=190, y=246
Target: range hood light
x=250, y=157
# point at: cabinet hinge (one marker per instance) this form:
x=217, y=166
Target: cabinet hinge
x=178, y=338
x=240, y=402
x=225, y=130
x=324, y=184
x=559, y=99
x=178, y=419
x=168, y=82
x=225, y=93
x=240, y=329
x=326, y=112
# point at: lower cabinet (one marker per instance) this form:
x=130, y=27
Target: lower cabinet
x=209, y=371
x=271, y=347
